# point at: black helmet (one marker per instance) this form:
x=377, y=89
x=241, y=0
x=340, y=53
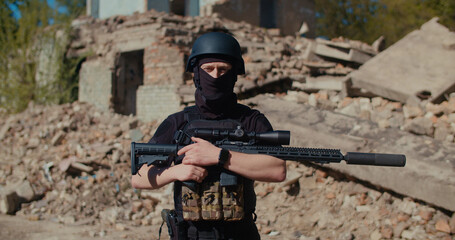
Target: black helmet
x=216, y=43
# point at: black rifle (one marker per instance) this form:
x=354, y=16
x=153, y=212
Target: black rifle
x=258, y=143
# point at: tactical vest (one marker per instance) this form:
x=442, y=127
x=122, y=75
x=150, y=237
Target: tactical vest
x=221, y=195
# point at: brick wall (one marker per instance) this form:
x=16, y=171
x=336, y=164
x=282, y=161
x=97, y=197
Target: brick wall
x=163, y=74
x=156, y=102
x=163, y=64
x=95, y=84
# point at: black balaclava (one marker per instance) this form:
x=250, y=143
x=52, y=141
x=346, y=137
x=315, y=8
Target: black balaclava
x=215, y=97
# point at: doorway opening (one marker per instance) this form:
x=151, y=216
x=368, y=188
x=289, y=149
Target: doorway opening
x=129, y=75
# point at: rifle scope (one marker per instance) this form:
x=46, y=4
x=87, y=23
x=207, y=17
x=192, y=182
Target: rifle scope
x=273, y=138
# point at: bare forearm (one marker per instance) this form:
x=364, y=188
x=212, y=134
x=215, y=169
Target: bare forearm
x=253, y=166
x=257, y=167
x=152, y=177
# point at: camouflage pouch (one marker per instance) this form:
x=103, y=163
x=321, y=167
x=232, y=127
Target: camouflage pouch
x=211, y=201
x=191, y=204
x=232, y=199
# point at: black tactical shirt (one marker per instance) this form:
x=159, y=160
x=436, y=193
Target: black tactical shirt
x=251, y=120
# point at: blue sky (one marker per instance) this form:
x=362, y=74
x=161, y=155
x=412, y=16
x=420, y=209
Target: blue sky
x=51, y=3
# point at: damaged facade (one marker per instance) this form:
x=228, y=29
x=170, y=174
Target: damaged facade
x=286, y=15
x=136, y=63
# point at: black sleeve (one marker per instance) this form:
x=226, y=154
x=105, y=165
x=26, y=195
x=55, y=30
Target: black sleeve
x=263, y=124
x=256, y=121
x=165, y=132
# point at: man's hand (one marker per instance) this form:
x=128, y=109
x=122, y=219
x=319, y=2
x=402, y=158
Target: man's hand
x=200, y=153
x=183, y=172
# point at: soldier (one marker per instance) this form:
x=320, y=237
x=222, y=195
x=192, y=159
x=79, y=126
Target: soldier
x=208, y=209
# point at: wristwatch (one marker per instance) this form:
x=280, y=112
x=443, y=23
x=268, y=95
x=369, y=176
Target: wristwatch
x=224, y=157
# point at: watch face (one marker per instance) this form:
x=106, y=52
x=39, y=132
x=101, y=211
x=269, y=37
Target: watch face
x=224, y=156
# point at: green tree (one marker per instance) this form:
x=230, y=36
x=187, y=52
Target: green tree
x=23, y=40
x=367, y=20
x=445, y=9
x=344, y=17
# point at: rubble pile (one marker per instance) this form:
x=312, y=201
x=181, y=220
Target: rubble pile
x=67, y=162
x=318, y=204
x=417, y=116
x=70, y=164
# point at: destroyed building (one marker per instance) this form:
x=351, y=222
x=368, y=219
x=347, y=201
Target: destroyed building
x=288, y=16
x=135, y=64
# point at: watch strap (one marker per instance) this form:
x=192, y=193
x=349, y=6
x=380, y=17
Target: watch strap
x=223, y=157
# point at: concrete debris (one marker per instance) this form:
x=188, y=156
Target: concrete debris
x=422, y=61
x=344, y=50
x=430, y=163
x=86, y=171
x=313, y=84
x=312, y=202
x=324, y=217
x=9, y=202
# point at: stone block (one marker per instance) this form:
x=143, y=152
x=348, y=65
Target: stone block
x=258, y=67
x=9, y=201
x=418, y=61
x=5, y=128
x=25, y=191
x=322, y=83
x=341, y=51
x=441, y=132
x=58, y=138
x=412, y=111
x=420, y=126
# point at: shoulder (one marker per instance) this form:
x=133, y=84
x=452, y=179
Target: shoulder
x=165, y=131
x=254, y=120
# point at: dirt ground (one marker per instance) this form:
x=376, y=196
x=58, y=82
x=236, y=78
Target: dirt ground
x=19, y=227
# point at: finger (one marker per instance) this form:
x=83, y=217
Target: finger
x=198, y=174
x=197, y=140
x=200, y=170
x=187, y=160
x=184, y=149
x=204, y=173
x=202, y=177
